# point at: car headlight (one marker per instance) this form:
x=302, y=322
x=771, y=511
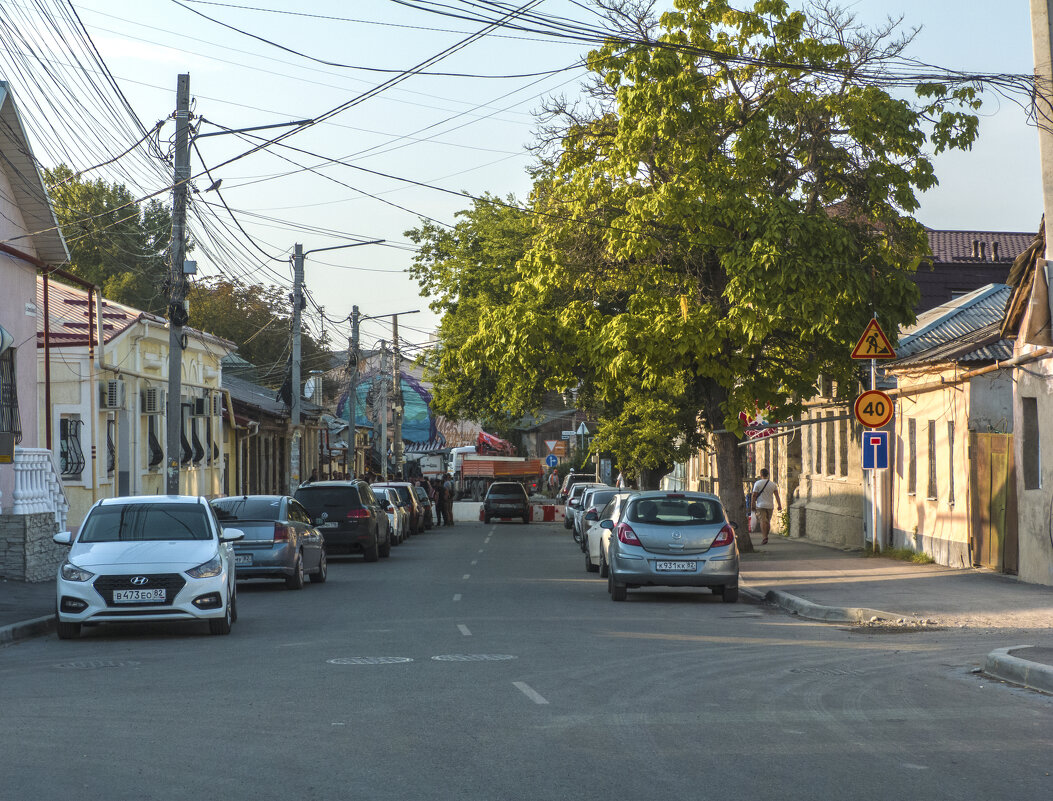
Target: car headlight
x=71, y=572
x=213, y=567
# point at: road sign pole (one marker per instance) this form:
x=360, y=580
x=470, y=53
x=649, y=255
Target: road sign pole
x=874, y=474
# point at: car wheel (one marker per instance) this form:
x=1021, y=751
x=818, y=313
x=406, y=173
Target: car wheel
x=730, y=594
x=234, y=606
x=322, y=573
x=618, y=591
x=576, y=536
x=372, y=553
x=603, y=570
x=295, y=581
x=385, y=549
x=67, y=631
x=589, y=566
x=221, y=625
x=486, y=519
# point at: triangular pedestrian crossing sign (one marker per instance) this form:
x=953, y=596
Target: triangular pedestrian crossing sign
x=873, y=344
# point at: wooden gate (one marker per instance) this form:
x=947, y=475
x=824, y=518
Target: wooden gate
x=992, y=496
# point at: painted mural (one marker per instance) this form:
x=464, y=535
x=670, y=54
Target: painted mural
x=418, y=423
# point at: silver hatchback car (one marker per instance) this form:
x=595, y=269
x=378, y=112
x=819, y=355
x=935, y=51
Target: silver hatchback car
x=673, y=539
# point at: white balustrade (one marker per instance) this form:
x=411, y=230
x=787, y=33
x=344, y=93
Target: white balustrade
x=38, y=488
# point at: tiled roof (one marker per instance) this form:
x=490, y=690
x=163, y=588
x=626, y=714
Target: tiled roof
x=958, y=246
x=264, y=399
x=966, y=329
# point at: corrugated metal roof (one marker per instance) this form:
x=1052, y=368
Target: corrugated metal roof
x=43, y=235
x=966, y=329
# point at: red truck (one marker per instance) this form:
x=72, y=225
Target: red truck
x=472, y=473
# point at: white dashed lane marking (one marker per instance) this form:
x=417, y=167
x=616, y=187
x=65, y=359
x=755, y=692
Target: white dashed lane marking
x=529, y=692
x=457, y=597
x=464, y=630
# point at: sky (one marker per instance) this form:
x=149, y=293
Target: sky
x=465, y=134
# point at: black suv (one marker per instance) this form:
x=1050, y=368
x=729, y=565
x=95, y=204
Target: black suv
x=506, y=499
x=350, y=517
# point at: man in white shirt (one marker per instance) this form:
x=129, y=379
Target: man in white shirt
x=765, y=496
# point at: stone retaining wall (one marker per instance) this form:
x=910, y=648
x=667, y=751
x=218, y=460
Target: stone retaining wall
x=27, y=552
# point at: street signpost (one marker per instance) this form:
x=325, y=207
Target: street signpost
x=875, y=450
x=551, y=445
x=551, y=460
x=873, y=344
x=568, y=434
x=873, y=409
x=560, y=448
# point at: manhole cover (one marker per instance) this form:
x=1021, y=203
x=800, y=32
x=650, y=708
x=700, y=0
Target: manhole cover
x=94, y=664
x=369, y=660
x=473, y=657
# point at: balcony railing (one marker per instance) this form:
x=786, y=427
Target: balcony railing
x=38, y=487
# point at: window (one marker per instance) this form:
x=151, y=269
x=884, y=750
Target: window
x=10, y=421
x=775, y=460
x=912, y=456
x=157, y=453
x=807, y=460
x=111, y=446
x=818, y=426
x=932, y=460
x=831, y=444
x=1032, y=456
x=950, y=462
x=71, y=455
x=843, y=461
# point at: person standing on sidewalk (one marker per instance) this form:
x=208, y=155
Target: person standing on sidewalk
x=448, y=485
x=765, y=496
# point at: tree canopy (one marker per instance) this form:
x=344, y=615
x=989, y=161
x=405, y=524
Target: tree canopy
x=714, y=232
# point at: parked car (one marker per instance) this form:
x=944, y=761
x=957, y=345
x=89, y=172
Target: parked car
x=349, y=516
x=426, y=505
x=147, y=558
x=570, y=480
x=398, y=514
x=506, y=499
x=593, y=499
x=673, y=539
x=409, y=498
x=574, y=504
x=597, y=539
x=279, y=541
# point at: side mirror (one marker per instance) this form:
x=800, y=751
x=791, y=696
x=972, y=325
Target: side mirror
x=231, y=535
x=591, y=515
x=607, y=524
x=63, y=538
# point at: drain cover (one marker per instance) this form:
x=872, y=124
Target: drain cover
x=369, y=660
x=473, y=657
x=94, y=664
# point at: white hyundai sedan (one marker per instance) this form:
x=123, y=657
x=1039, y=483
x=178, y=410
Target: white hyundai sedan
x=158, y=557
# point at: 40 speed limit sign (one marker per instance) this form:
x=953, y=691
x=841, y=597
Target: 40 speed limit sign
x=873, y=408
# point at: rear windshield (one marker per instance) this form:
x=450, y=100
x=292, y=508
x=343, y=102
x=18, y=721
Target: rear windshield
x=676, y=512
x=247, y=508
x=599, y=499
x=404, y=494
x=328, y=499
x=146, y=521
x=421, y=492
x=506, y=491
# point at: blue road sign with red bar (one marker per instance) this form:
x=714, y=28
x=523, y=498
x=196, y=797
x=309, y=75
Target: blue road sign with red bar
x=875, y=450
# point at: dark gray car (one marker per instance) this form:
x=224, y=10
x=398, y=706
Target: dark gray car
x=279, y=541
x=350, y=517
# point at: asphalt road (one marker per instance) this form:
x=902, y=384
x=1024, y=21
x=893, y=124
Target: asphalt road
x=483, y=662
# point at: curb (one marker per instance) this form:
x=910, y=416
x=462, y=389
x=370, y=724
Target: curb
x=1002, y=664
x=26, y=629
x=827, y=614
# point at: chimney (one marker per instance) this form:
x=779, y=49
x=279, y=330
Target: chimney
x=983, y=251
x=976, y=248
x=994, y=251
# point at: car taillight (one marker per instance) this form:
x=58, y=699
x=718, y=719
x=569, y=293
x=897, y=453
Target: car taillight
x=281, y=532
x=627, y=535
x=725, y=537
x=357, y=514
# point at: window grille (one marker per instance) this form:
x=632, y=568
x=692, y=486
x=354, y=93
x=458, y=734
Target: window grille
x=932, y=459
x=71, y=455
x=950, y=461
x=157, y=453
x=111, y=447
x=10, y=420
x=912, y=456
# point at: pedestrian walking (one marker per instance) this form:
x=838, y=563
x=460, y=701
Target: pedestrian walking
x=440, y=501
x=448, y=486
x=765, y=495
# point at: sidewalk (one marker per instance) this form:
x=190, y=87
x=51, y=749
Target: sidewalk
x=838, y=586
x=25, y=609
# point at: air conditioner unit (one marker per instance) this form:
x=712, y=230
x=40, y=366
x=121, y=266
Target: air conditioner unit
x=154, y=400
x=217, y=404
x=111, y=394
x=199, y=407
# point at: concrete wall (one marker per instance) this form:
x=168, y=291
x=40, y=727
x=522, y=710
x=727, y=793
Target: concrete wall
x=1034, y=521
x=991, y=402
x=27, y=552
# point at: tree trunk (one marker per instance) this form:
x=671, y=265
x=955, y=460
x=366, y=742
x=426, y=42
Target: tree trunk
x=649, y=478
x=731, y=486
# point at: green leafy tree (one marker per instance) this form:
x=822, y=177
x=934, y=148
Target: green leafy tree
x=467, y=271
x=717, y=232
x=119, y=247
x=258, y=319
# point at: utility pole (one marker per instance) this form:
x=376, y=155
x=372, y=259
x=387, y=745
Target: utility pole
x=383, y=410
x=396, y=400
x=352, y=394
x=177, y=313
x=1042, y=44
x=294, y=415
